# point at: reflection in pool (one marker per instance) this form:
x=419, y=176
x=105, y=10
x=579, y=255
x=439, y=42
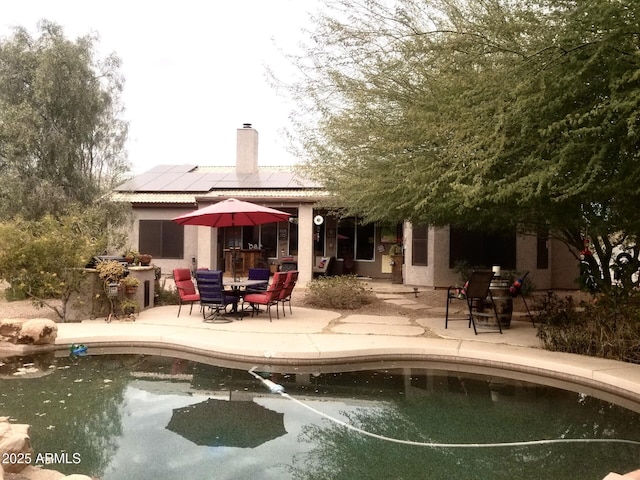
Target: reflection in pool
x=141, y=417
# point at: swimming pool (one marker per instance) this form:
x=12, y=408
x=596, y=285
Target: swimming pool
x=132, y=416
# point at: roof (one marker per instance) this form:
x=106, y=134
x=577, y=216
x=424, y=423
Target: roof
x=194, y=179
x=171, y=198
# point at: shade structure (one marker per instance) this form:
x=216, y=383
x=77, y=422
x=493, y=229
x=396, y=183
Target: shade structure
x=232, y=213
x=227, y=423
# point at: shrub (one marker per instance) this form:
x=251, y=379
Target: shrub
x=341, y=292
x=608, y=327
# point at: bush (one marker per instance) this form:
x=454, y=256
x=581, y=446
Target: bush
x=343, y=292
x=608, y=327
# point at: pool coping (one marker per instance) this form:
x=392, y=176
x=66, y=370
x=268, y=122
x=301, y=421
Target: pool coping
x=306, y=340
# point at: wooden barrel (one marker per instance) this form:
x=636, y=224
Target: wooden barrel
x=503, y=301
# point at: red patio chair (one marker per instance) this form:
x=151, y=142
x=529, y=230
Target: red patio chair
x=270, y=297
x=186, y=288
x=285, y=295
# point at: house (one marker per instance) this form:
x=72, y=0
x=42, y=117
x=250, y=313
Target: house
x=311, y=234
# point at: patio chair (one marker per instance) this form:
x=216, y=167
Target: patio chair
x=285, y=295
x=185, y=287
x=213, y=295
x=479, y=300
x=516, y=290
x=258, y=274
x=323, y=266
x=270, y=297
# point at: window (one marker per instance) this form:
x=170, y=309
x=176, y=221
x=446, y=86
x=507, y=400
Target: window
x=161, y=238
x=482, y=249
x=269, y=239
x=293, y=237
x=542, y=250
x=356, y=238
x=420, y=235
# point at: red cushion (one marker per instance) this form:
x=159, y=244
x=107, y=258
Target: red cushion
x=257, y=297
x=193, y=297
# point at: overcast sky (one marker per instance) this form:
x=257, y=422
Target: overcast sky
x=195, y=71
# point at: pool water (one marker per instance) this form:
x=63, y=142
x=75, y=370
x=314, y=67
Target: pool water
x=132, y=416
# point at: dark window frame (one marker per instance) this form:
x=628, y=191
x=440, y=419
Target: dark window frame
x=482, y=249
x=161, y=238
x=420, y=245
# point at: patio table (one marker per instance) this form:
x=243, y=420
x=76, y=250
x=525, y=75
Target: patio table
x=237, y=289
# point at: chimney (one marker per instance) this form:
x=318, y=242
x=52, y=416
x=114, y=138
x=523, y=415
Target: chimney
x=247, y=149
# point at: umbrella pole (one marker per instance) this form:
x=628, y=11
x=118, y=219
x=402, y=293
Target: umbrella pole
x=234, y=261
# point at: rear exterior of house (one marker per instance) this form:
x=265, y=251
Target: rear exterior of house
x=431, y=255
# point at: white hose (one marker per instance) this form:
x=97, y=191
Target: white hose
x=279, y=389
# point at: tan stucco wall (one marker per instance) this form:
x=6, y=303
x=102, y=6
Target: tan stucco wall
x=561, y=274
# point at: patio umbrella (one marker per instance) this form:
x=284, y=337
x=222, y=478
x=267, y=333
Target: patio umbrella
x=232, y=213
x=227, y=423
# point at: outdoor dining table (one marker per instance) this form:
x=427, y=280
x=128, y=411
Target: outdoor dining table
x=237, y=288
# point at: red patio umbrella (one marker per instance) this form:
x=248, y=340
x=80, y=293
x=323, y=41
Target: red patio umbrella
x=232, y=213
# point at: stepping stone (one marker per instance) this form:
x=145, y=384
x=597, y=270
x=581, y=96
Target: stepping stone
x=374, y=319
x=371, y=329
x=400, y=301
x=385, y=296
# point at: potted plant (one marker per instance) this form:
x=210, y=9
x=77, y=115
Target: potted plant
x=129, y=307
x=110, y=272
x=130, y=284
x=131, y=257
x=145, y=259
x=397, y=258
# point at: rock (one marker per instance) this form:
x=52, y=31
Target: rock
x=14, y=443
x=37, y=473
x=36, y=331
x=76, y=477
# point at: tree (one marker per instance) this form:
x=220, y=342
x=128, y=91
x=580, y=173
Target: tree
x=44, y=260
x=61, y=135
x=509, y=113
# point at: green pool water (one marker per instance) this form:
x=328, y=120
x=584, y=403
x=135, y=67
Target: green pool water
x=133, y=416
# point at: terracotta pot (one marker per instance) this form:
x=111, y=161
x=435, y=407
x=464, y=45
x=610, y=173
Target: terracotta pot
x=145, y=259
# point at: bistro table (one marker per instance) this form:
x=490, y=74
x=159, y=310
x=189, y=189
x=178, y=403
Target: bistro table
x=239, y=288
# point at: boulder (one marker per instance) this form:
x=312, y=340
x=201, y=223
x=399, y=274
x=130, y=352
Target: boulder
x=37, y=473
x=36, y=331
x=14, y=441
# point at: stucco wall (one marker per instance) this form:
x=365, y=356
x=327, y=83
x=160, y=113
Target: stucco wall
x=561, y=274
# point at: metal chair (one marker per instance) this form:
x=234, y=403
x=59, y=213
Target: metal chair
x=270, y=297
x=185, y=287
x=516, y=290
x=258, y=274
x=287, y=290
x=213, y=296
x=479, y=300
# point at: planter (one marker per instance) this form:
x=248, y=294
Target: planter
x=503, y=301
x=131, y=290
x=396, y=268
x=145, y=260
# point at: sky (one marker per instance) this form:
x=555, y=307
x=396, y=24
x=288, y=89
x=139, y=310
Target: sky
x=195, y=71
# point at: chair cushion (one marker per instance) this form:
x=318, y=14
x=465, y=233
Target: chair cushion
x=193, y=297
x=257, y=298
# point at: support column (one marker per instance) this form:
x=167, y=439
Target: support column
x=207, y=244
x=305, y=243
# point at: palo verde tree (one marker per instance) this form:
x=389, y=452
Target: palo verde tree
x=510, y=113
x=61, y=132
